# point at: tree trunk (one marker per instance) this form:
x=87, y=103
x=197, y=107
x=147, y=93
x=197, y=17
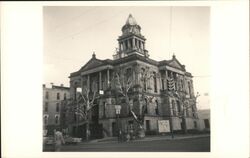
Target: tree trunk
x=184, y=125
x=87, y=130
x=141, y=131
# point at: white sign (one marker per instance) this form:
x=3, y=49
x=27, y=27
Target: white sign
x=163, y=126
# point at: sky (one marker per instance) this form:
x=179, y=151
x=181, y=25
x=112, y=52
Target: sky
x=72, y=34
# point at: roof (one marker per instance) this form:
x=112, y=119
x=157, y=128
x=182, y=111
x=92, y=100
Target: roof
x=94, y=63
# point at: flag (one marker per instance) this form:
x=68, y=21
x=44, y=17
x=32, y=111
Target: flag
x=134, y=115
x=171, y=84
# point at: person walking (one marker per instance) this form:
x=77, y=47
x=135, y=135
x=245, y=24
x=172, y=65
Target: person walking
x=59, y=140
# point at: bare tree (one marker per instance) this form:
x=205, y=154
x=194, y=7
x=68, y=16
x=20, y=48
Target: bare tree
x=183, y=103
x=83, y=105
x=123, y=82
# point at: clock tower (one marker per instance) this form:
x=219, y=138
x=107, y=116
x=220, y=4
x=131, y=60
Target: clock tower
x=131, y=41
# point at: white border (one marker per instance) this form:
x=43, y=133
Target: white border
x=21, y=90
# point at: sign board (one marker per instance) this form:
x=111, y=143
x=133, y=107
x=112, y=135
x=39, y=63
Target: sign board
x=163, y=126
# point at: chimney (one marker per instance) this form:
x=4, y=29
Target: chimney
x=52, y=84
x=44, y=86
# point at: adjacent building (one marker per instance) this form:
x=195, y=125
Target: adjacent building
x=170, y=87
x=53, y=98
x=204, y=119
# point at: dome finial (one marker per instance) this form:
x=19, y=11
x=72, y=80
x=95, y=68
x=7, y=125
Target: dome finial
x=131, y=20
x=93, y=55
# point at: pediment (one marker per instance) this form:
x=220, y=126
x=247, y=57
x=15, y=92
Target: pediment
x=175, y=64
x=92, y=63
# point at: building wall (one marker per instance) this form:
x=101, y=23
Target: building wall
x=204, y=115
x=52, y=102
x=107, y=102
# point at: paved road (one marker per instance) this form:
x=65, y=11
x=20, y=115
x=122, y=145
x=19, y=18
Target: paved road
x=182, y=145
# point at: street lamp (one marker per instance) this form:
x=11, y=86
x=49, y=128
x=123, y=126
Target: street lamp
x=117, y=112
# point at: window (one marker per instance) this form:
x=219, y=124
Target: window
x=147, y=125
x=189, y=88
x=195, y=124
x=47, y=95
x=56, y=119
x=143, y=79
x=64, y=96
x=193, y=111
x=187, y=109
x=156, y=107
x=58, y=96
x=45, y=119
x=130, y=125
x=162, y=83
x=128, y=72
x=57, y=107
x=206, y=122
x=146, y=106
x=182, y=85
x=155, y=82
x=46, y=107
x=178, y=106
x=104, y=109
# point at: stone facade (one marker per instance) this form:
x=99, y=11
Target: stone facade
x=52, y=105
x=133, y=58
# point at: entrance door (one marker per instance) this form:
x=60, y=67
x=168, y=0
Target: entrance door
x=147, y=125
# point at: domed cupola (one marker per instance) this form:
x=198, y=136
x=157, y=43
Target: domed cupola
x=131, y=41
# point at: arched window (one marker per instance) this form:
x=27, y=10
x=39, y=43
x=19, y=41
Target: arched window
x=156, y=107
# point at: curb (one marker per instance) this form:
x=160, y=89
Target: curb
x=149, y=139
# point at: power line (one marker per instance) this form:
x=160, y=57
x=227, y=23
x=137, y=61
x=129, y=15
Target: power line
x=170, y=31
x=203, y=76
x=73, y=18
x=89, y=27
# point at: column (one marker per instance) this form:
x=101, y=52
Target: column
x=120, y=48
x=100, y=80
x=128, y=41
x=133, y=41
x=108, y=77
x=72, y=90
x=136, y=43
x=88, y=82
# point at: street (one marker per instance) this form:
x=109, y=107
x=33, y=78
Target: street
x=201, y=144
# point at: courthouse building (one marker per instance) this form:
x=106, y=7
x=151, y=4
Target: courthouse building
x=133, y=57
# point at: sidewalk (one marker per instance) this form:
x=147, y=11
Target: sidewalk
x=151, y=138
